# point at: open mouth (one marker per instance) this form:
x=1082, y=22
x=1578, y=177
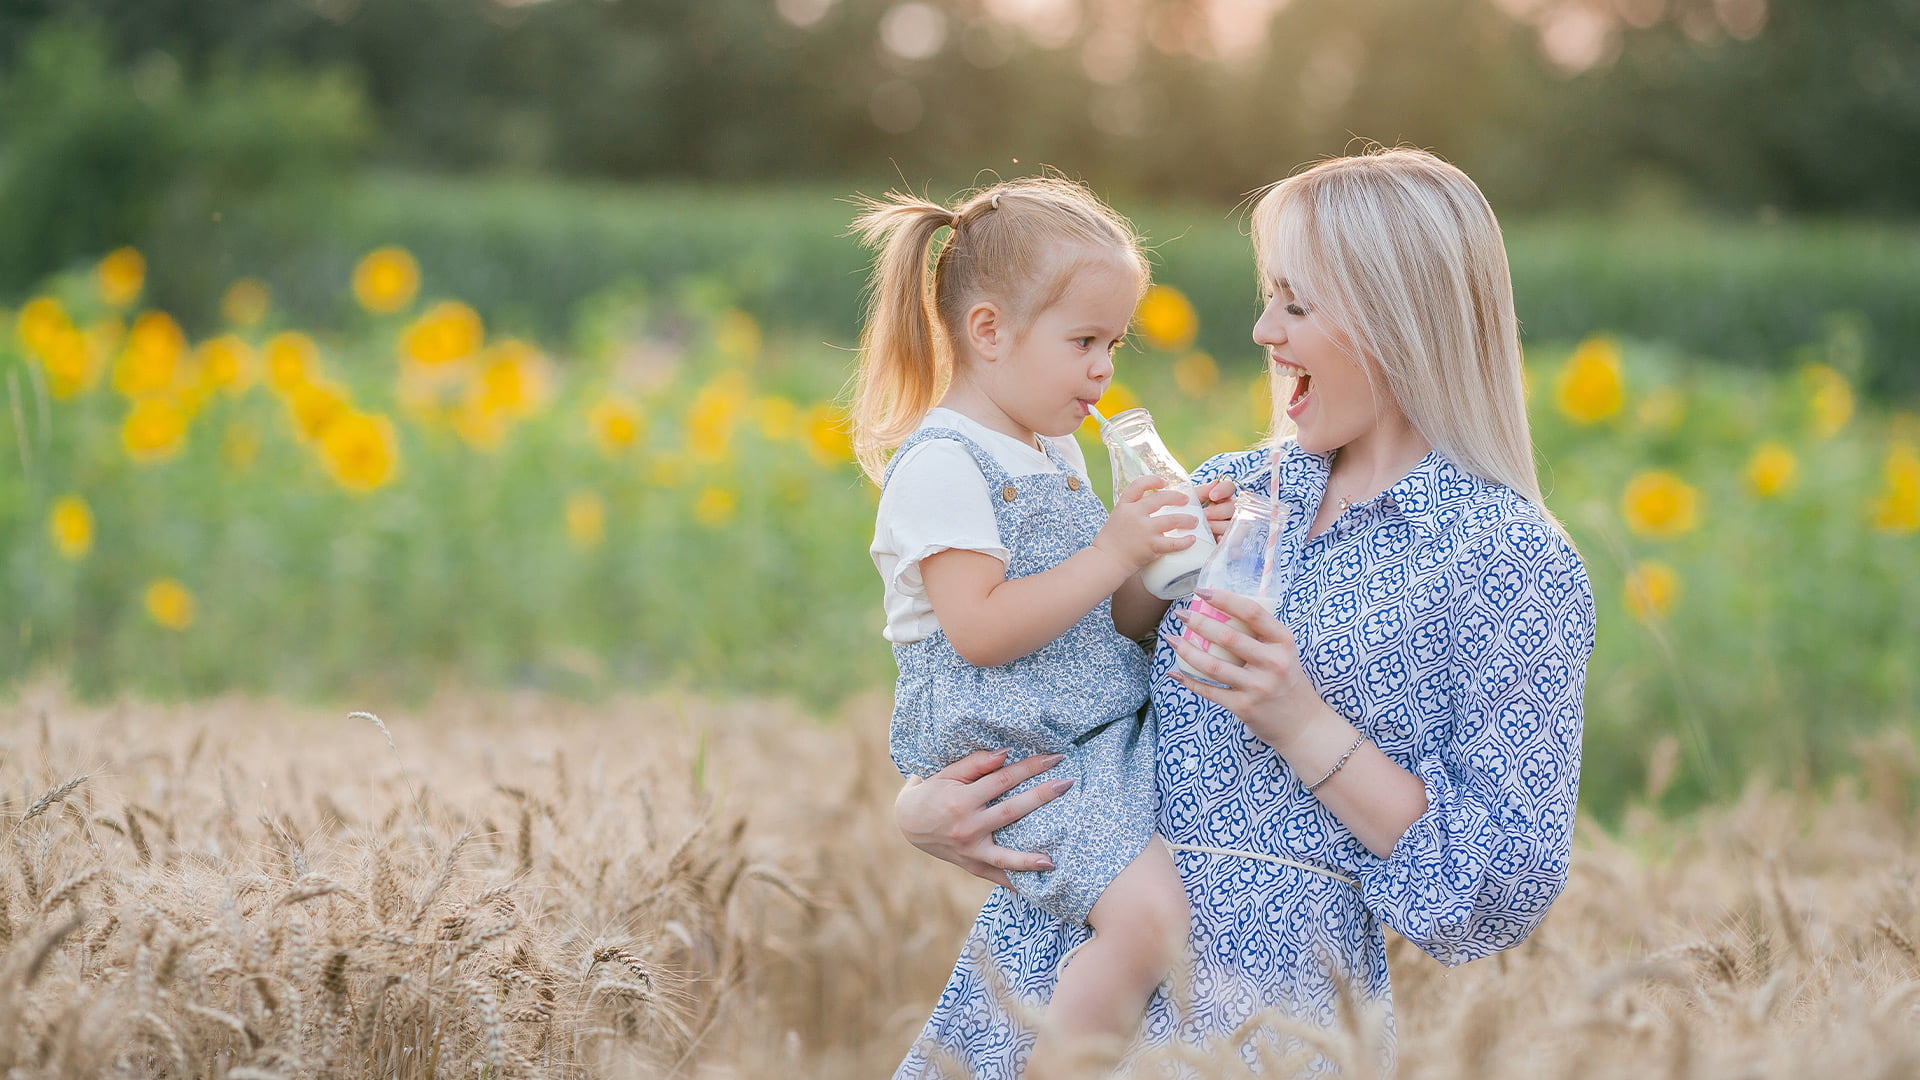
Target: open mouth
x=1301, y=388
x=1302, y=384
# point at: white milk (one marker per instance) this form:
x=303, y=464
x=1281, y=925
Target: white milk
x=1172, y=576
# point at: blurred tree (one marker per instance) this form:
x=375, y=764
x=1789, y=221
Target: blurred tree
x=1802, y=105
x=1798, y=104
x=94, y=155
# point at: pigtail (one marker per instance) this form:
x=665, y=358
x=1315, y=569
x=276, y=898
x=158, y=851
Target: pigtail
x=905, y=362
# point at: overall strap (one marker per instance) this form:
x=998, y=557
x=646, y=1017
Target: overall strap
x=990, y=468
x=1054, y=455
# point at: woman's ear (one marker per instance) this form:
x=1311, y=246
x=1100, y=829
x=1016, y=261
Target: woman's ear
x=986, y=330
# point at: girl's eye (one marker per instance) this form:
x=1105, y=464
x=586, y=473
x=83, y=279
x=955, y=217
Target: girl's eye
x=1084, y=342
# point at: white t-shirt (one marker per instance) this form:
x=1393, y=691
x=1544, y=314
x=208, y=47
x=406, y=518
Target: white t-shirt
x=937, y=500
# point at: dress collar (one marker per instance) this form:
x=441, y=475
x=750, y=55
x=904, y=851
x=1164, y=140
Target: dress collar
x=1428, y=496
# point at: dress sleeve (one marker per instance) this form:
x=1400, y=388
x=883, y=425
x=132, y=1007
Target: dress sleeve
x=1476, y=872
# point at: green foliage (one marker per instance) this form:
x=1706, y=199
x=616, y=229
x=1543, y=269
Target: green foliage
x=729, y=554
x=94, y=155
x=528, y=251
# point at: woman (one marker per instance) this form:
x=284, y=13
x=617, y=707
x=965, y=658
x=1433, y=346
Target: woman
x=1401, y=746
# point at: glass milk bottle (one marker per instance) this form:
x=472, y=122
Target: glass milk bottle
x=1253, y=559
x=1135, y=450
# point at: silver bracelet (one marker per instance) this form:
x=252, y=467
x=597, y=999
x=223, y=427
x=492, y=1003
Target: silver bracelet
x=1338, y=765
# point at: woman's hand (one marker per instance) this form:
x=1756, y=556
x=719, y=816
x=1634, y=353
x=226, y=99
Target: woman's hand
x=1216, y=501
x=1270, y=693
x=947, y=814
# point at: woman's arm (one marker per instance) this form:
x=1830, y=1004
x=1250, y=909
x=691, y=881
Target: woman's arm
x=992, y=620
x=947, y=815
x=1476, y=867
x=1370, y=794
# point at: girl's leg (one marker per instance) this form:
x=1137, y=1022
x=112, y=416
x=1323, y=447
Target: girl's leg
x=1140, y=925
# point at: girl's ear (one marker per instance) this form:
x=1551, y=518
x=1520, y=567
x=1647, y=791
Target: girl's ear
x=986, y=330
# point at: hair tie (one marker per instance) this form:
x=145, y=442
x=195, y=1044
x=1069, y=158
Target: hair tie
x=995, y=201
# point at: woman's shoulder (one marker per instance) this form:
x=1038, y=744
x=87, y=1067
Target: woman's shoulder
x=1499, y=537
x=1243, y=467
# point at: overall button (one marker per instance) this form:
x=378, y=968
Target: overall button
x=1073, y=483
x=1008, y=492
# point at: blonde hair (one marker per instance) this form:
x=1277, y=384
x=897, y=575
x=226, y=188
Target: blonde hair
x=1017, y=244
x=1400, y=251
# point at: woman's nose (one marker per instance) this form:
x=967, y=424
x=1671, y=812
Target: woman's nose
x=1268, y=329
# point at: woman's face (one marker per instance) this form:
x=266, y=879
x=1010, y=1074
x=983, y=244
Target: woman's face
x=1332, y=404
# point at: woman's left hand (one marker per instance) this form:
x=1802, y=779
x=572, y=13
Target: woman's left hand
x=1270, y=693
x=1216, y=505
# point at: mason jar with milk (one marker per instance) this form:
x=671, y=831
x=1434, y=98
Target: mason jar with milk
x=1253, y=559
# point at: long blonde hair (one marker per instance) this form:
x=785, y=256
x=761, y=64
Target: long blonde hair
x=1400, y=251
x=1017, y=244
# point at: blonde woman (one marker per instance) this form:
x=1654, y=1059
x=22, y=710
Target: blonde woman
x=1401, y=746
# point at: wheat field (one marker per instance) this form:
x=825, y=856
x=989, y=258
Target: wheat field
x=522, y=886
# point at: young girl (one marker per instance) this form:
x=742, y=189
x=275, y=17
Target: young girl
x=1012, y=598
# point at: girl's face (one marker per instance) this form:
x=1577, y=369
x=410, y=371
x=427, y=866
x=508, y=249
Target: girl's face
x=1332, y=403
x=1043, y=380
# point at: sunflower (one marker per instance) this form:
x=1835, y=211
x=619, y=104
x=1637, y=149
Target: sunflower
x=615, y=423
x=1590, y=388
x=1771, y=470
x=1659, y=504
x=151, y=360
x=447, y=333
x=120, y=276
x=386, y=280
x=1166, y=318
x=154, y=430
x=360, y=451
x=170, y=604
x=71, y=527
x=1651, y=588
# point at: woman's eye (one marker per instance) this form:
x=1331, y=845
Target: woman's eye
x=1296, y=310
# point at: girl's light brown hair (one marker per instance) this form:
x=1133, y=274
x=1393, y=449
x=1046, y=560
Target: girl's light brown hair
x=1016, y=244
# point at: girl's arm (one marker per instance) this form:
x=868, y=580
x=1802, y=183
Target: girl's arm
x=1136, y=612
x=992, y=620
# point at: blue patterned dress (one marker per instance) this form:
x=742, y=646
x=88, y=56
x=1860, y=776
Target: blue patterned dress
x=1081, y=694
x=1448, y=621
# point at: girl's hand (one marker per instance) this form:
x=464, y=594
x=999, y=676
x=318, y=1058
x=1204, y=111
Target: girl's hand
x=1270, y=693
x=946, y=815
x=1217, y=500
x=1133, y=535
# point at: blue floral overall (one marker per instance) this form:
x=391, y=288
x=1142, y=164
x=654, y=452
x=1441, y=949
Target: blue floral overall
x=1080, y=694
